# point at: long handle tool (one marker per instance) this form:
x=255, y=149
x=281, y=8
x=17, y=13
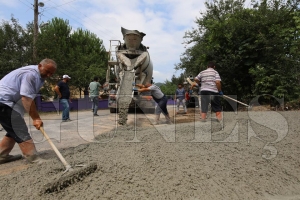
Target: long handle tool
x=61, y=158
x=69, y=178
x=192, y=82
x=235, y=100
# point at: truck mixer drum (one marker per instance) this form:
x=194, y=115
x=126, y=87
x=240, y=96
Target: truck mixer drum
x=130, y=62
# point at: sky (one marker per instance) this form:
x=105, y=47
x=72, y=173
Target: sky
x=163, y=21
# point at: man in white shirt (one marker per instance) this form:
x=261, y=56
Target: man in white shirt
x=17, y=92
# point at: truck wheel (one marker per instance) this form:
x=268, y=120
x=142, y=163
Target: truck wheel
x=113, y=110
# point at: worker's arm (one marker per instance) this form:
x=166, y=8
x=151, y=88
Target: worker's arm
x=140, y=85
x=144, y=89
x=56, y=89
x=218, y=83
x=196, y=83
x=30, y=107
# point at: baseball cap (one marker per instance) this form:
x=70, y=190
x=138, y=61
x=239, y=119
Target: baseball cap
x=66, y=76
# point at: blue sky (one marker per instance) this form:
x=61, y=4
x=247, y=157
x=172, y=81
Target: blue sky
x=163, y=21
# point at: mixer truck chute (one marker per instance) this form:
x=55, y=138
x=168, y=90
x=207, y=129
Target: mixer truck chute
x=128, y=62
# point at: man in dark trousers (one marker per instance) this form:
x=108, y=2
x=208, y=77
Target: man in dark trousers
x=63, y=91
x=210, y=90
x=159, y=98
x=17, y=92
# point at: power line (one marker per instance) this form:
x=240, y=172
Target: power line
x=61, y=4
x=93, y=21
x=27, y=5
x=74, y=18
x=45, y=12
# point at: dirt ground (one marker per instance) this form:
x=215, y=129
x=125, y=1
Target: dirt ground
x=254, y=156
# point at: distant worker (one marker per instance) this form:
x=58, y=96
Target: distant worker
x=159, y=98
x=94, y=89
x=63, y=91
x=210, y=91
x=17, y=92
x=180, y=98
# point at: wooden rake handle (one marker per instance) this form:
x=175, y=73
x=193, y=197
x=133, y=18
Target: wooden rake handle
x=61, y=158
x=235, y=100
x=192, y=82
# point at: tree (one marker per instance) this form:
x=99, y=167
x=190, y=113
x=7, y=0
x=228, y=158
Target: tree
x=80, y=54
x=251, y=46
x=54, y=42
x=14, y=46
x=89, y=58
x=168, y=88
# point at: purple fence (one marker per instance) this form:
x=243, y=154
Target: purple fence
x=77, y=104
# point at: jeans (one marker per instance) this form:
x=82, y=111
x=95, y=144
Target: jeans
x=66, y=109
x=161, y=106
x=181, y=101
x=95, y=104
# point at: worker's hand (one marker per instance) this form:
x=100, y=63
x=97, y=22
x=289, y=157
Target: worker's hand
x=37, y=123
x=149, y=98
x=221, y=93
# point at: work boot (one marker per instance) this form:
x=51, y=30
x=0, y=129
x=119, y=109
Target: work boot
x=6, y=145
x=156, y=120
x=29, y=151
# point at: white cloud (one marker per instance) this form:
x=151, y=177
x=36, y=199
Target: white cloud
x=163, y=21
x=10, y=3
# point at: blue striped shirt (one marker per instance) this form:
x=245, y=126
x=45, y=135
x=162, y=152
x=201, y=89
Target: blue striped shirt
x=24, y=81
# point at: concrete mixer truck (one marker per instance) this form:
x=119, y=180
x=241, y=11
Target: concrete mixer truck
x=129, y=62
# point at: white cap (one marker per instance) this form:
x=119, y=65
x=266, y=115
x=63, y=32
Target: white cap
x=66, y=76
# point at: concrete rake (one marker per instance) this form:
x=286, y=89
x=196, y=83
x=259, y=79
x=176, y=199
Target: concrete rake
x=70, y=175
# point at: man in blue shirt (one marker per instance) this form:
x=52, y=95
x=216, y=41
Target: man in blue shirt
x=17, y=92
x=180, y=98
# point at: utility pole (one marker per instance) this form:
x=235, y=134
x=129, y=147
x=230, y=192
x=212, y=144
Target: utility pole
x=35, y=30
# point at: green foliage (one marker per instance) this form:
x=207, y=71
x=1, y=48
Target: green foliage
x=80, y=53
x=168, y=88
x=89, y=57
x=53, y=42
x=14, y=46
x=256, y=49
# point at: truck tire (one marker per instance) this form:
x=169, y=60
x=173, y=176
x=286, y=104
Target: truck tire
x=113, y=110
